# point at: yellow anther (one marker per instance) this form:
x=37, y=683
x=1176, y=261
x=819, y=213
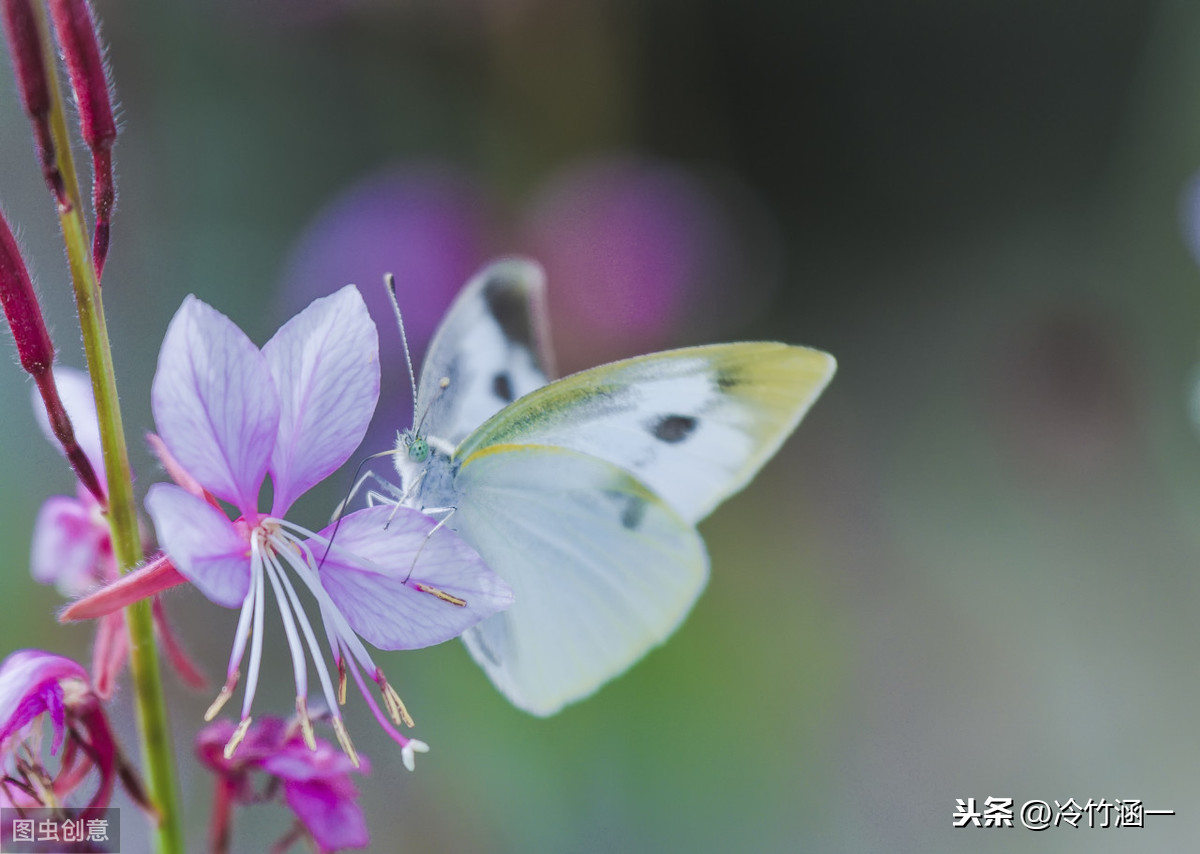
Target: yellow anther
x=238, y=734
x=441, y=594
x=344, y=740
x=223, y=697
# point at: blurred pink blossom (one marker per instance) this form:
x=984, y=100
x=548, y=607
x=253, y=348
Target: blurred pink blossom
x=636, y=250
x=316, y=783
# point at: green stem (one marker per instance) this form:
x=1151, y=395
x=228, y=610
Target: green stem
x=122, y=515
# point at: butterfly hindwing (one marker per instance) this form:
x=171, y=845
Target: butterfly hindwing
x=601, y=568
x=693, y=425
x=490, y=349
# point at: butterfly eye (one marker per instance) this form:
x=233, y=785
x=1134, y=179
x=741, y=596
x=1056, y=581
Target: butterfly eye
x=418, y=450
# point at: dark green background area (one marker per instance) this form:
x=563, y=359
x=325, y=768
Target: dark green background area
x=970, y=573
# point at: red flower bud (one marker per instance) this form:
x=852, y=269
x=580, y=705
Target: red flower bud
x=25, y=45
x=21, y=307
x=76, y=30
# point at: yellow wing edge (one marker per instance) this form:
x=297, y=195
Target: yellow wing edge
x=811, y=370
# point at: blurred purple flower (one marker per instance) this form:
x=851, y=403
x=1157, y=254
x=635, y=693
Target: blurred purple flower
x=72, y=543
x=230, y=414
x=34, y=684
x=316, y=783
x=428, y=227
x=633, y=248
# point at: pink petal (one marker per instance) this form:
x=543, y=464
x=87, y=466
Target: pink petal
x=29, y=686
x=371, y=576
x=134, y=586
x=330, y=813
x=325, y=364
x=68, y=545
x=178, y=659
x=181, y=476
x=294, y=761
x=75, y=390
x=110, y=651
x=205, y=547
x=215, y=404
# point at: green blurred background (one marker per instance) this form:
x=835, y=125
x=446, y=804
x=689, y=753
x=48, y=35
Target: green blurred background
x=971, y=573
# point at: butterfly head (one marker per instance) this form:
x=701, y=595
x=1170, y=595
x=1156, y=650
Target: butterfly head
x=416, y=446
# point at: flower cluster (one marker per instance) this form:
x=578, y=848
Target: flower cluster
x=234, y=423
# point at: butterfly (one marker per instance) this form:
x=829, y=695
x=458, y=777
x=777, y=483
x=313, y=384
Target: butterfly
x=584, y=493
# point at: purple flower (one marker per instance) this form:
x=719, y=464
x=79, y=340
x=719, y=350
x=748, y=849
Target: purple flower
x=316, y=782
x=230, y=414
x=34, y=684
x=428, y=227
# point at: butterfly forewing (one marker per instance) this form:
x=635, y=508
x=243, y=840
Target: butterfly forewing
x=602, y=570
x=693, y=425
x=491, y=349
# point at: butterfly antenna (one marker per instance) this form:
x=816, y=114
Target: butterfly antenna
x=443, y=384
x=390, y=281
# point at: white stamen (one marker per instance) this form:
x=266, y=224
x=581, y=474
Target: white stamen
x=242, y=633
x=329, y=611
x=309, y=636
x=299, y=670
x=256, y=578
x=407, y=752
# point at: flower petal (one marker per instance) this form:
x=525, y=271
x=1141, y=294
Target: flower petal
x=215, y=404
x=294, y=761
x=205, y=547
x=325, y=364
x=75, y=391
x=68, y=545
x=371, y=576
x=156, y=575
x=30, y=684
x=329, y=812
x=110, y=651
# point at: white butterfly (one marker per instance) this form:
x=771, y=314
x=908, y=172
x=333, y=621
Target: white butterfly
x=584, y=493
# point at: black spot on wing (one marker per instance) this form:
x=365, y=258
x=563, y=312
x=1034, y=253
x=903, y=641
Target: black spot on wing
x=502, y=387
x=508, y=303
x=673, y=428
x=633, y=513
x=727, y=380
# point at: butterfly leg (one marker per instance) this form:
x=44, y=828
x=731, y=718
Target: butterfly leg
x=372, y=496
x=429, y=511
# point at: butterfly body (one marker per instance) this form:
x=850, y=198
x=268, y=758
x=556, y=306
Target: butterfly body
x=583, y=493
x=427, y=483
